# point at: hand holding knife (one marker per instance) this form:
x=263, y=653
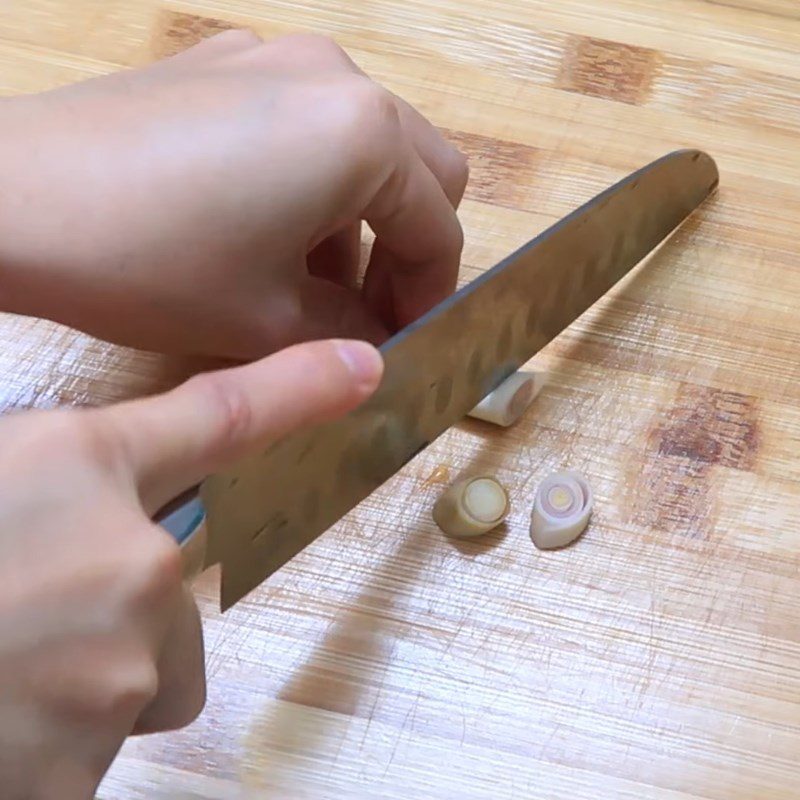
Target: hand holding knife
x=268, y=508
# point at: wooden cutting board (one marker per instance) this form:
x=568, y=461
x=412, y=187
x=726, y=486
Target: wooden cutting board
x=659, y=657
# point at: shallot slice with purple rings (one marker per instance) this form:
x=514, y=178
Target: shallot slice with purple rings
x=561, y=510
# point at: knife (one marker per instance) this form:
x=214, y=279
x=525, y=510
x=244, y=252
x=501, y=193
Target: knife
x=266, y=509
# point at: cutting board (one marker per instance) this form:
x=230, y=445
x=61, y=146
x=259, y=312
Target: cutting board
x=659, y=656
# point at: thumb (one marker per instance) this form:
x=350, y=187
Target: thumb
x=174, y=440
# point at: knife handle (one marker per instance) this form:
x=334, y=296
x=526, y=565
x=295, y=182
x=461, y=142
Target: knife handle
x=184, y=520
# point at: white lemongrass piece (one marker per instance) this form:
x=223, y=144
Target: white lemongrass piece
x=561, y=510
x=471, y=507
x=509, y=401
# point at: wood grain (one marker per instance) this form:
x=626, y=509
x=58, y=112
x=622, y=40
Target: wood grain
x=659, y=657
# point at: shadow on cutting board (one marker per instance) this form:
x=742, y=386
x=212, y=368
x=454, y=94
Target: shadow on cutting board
x=346, y=671
x=343, y=675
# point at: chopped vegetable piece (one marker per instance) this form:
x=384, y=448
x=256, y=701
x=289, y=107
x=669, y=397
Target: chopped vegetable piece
x=471, y=507
x=509, y=401
x=561, y=510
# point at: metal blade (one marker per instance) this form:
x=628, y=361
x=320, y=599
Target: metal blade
x=270, y=507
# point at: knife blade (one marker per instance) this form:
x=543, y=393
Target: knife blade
x=269, y=507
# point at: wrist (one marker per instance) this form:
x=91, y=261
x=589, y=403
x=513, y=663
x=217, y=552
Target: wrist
x=18, y=207
x=44, y=246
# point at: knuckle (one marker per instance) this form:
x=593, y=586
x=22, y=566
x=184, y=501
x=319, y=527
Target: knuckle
x=457, y=238
x=373, y=105
x=229, y=406
x=451, y=242
x=371, y=118
x=120, y=690
x=456, y=168
x=133, y=686
x=152, y=577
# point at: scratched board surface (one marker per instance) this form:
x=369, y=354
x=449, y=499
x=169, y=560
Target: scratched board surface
x=659, y=657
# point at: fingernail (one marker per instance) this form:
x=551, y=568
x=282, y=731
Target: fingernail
x=363, y=360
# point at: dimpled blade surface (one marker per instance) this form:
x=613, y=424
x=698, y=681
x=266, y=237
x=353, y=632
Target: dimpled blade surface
x=268, y=508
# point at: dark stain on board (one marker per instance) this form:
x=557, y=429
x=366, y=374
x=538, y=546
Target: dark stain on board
x=611, y=70
x=501, y=172
x=711, y=427
x=177, y=32
x=673, y=495
x=673, y=487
